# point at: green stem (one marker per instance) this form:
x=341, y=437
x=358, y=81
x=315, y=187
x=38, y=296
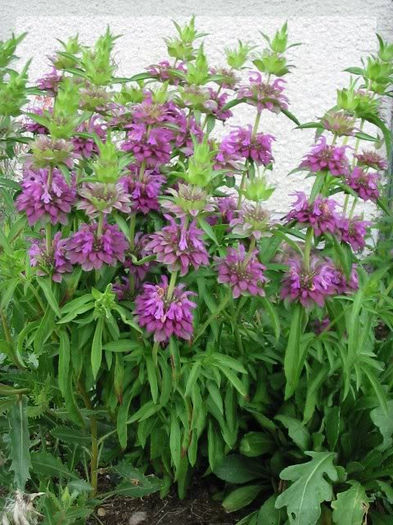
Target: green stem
x=211, y=318
x=171, y=286
x=307, y=248
x=355, y=201
x=132, y=231
x=251, y=249
x=48, y=237
x=100, y=224
x=154, y=352
x=94, y=440
x=256, y=123
x=50, y=176
x=357, y=143
x=241, y=188
x=346, y=203
x=143, y=167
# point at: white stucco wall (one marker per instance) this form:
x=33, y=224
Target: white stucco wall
x=334, y=35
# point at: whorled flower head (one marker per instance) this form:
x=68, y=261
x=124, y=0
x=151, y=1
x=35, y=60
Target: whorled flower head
x=50, y=82
x=250, y=221
x=47, y=151
x=371, y=159
x=264, y=95
x=365, y=184
x=187, y=201
x=215, y=105
x=312, y=285
x=227, y=207
x=139, y=271
x=165, y=316
x=143, y=190
x=343, y=284
x=86, y=146
x=45, y=198
x=227, y=78
x=242, y=272
x=179, y=246
x=241, y=143
x=54, y=263
x=165, y=72
x=353, y=231
x=319, y=214
x=99, y=197
x=339, y=122
x=152, y=146
x=324, y=157
x=92, y=250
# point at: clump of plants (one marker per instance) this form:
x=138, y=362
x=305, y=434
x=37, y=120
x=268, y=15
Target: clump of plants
x=157, y=323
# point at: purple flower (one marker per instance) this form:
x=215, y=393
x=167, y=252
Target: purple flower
x=243, y=272
x=319, y=214
x=251, y=220
x=152, y=146
x=45, y=199
x=34, y=127
x=309, y=286
x=144, y=190
x=326, y=158
x=216, y=103
x=242, y=144
x=53, y=263
x=371, y=159
x=165, y=72
x=91, y=250
x=344, y=285
x=86, y=146
x=122, y=288
x=179, y=246
x=50, y=82
x=138, y=271
x=353, y=231
x=188, y=201
x=264, y=95
x=227, y=207
x=365, y=184
x=165, y=316
x=99, y=197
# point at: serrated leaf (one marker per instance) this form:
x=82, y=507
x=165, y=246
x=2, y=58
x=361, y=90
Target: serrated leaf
x=19, y=443
x=309, y=488
x=46, y=465
x=384, y=422
x=350, y=506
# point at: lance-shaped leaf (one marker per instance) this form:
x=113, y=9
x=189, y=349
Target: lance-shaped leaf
x=309, y=488
x=350, y=506
x=19, y=443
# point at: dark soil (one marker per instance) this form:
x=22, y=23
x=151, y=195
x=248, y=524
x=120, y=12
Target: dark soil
x=197, y=509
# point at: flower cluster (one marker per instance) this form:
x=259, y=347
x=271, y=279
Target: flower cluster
x=242, y=272
x=324, y=157
x=264, y=95
x=165, y=315
x=179, y=246
x=242, y=143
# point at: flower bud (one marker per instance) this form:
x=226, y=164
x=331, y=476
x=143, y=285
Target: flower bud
x=257, y=190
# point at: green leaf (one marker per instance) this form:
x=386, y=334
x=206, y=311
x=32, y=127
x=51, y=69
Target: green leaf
x=152, y=378
x=71, y=435
x=232, y=378
x=96, y=348
x=296, y=430
x=350, y=506
x=255, y=444
x=268, y=306
x=45, y=465
x=293, y=356
x=309, y=488
x=291, y=116
x=46, y=286
x=332, y=426
x=384, y=421
x=268, y=514
x=19, y=443
x=241, y=497
x=175, y=441
x=64, y=361
x=238, y=469
x=123, y=345
x=192, y=378
x=122, y=417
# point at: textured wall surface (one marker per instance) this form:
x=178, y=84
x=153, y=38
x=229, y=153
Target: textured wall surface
x=334, y=35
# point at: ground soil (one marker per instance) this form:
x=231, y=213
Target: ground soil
x=197, y=509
